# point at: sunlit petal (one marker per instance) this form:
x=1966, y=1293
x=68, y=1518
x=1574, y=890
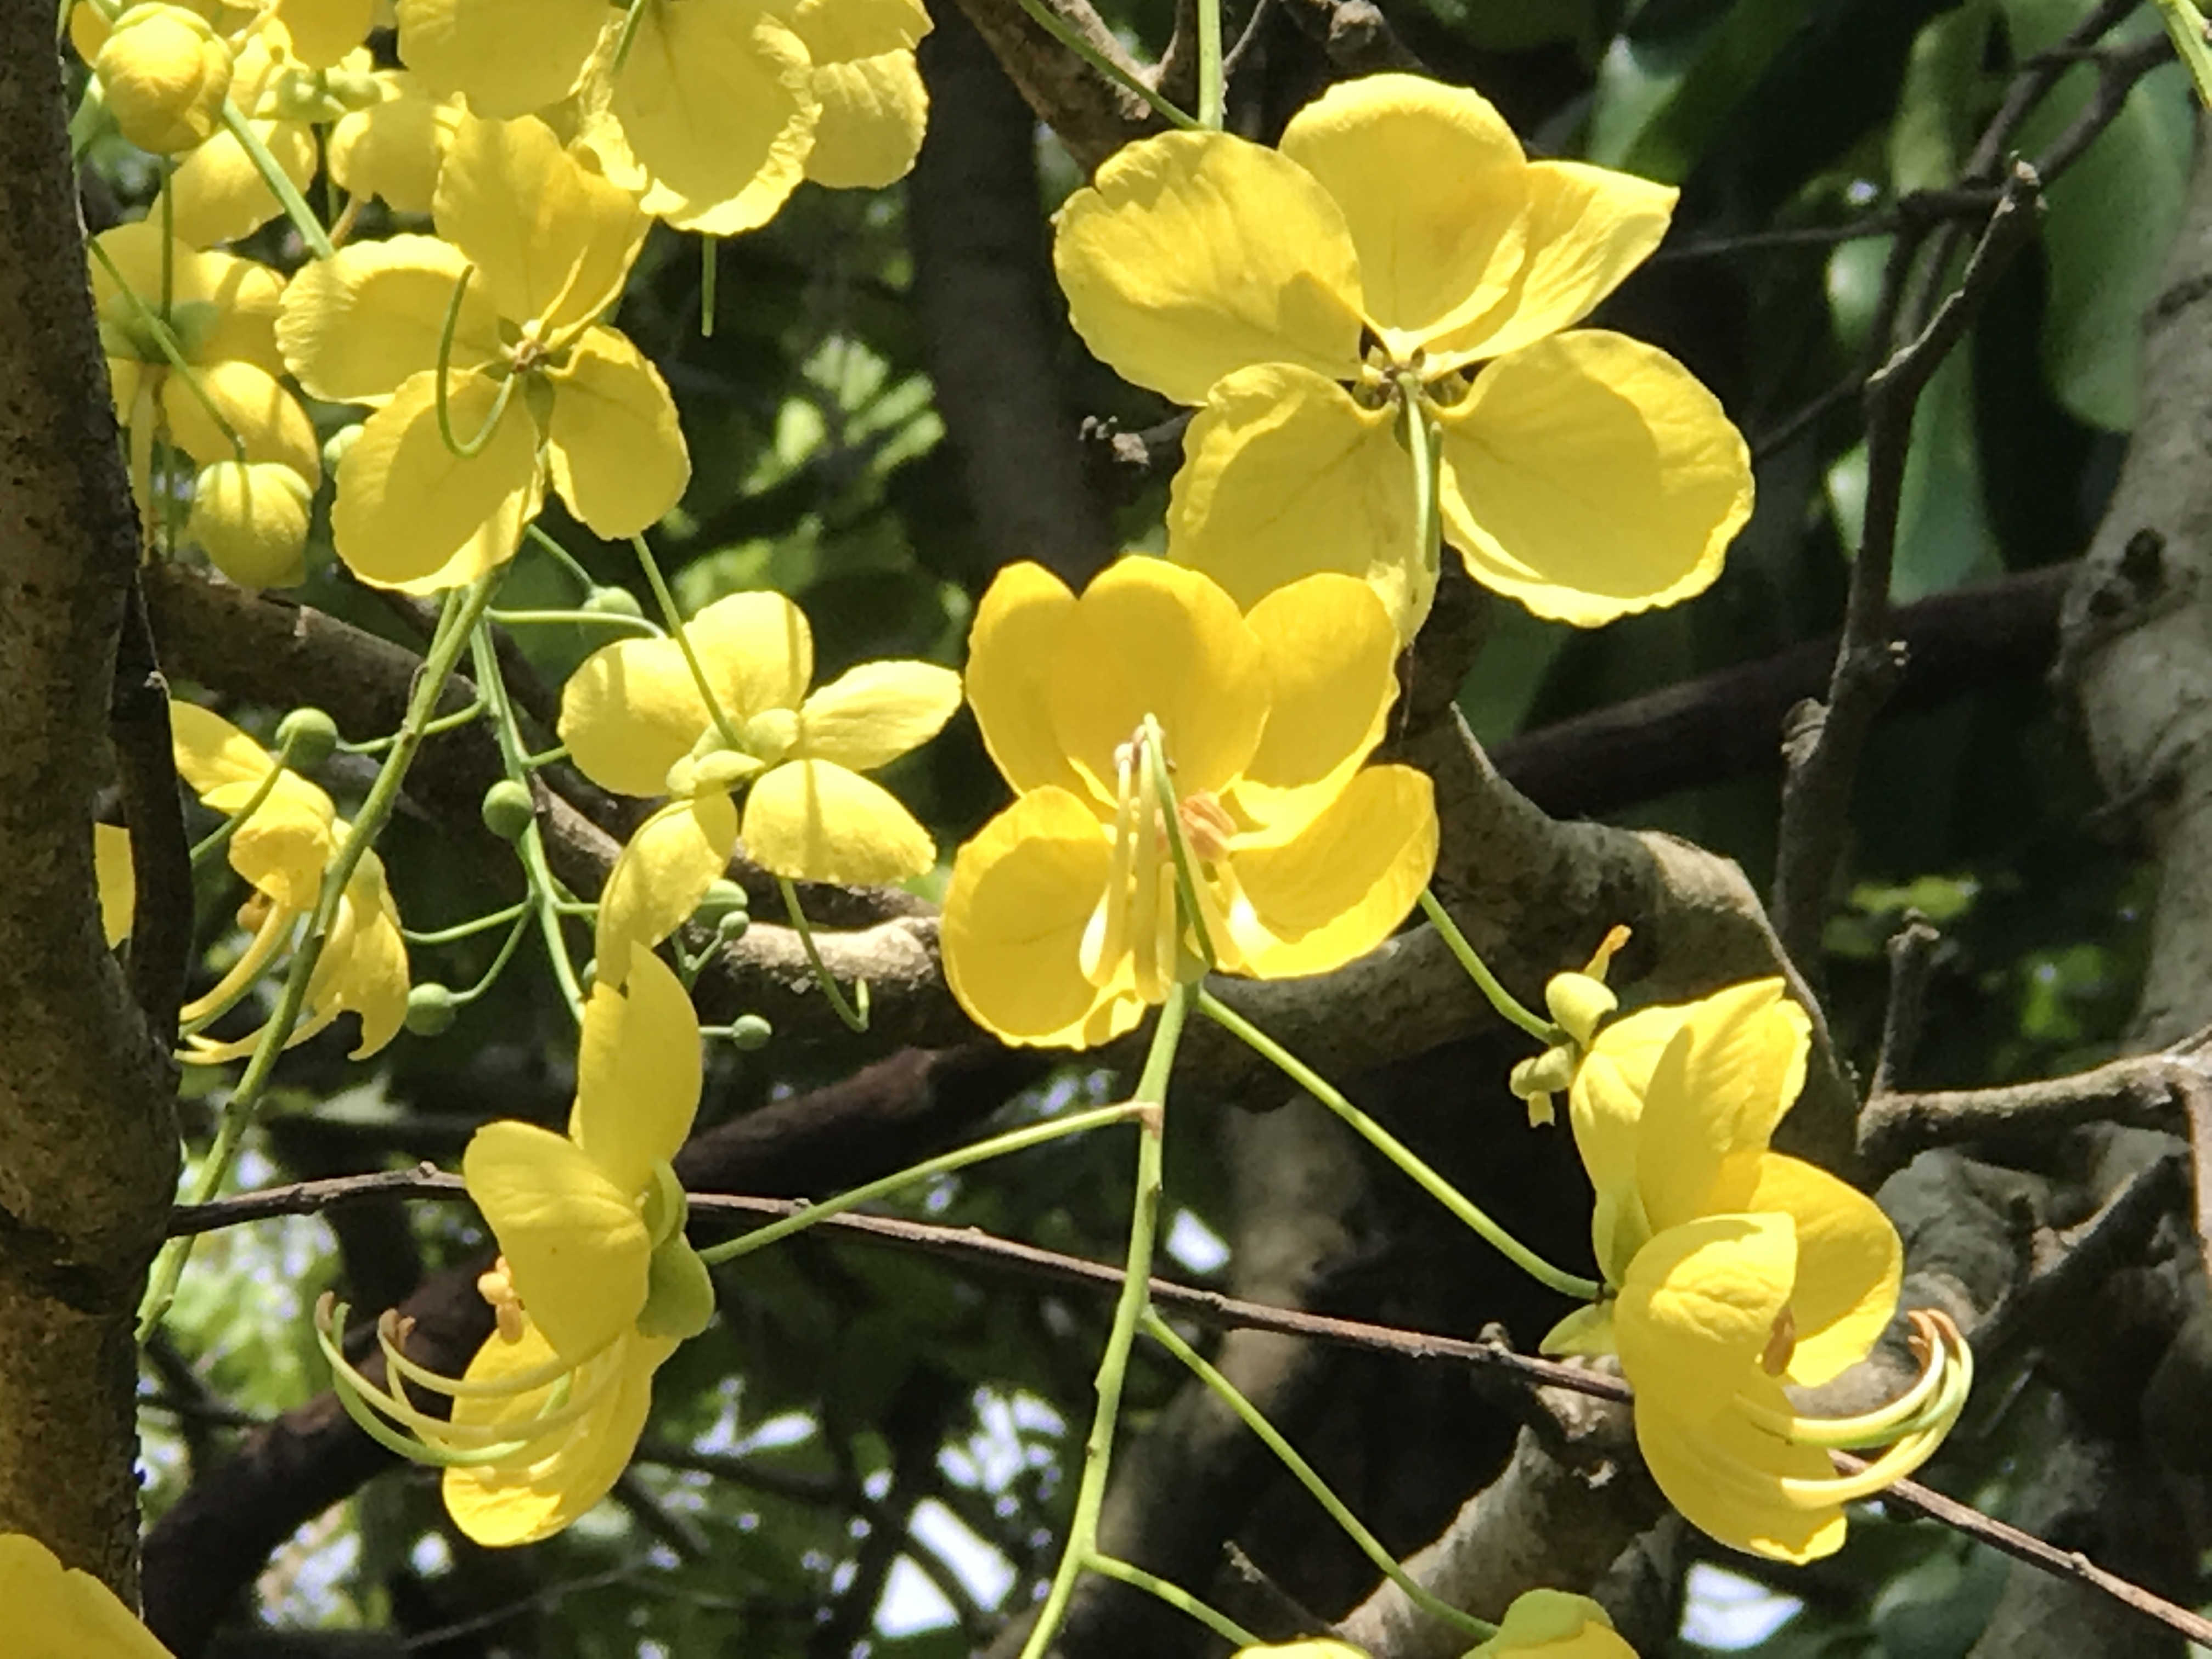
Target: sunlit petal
x=663, y=873
x=630, y=711
x=812, y=820
x=1332, y=655
x=355, y=327
x=758, y=653
x=1719, y=1088
x=510, y=57
x=616, y=450
x=1698, y=1309
x=575, y=1245
x=66, y=1613
x=1343, y=883
x=1014, y=647
x=872, y=714
x=1725, y=1473
x=637, y=1070
x=1849, y=1262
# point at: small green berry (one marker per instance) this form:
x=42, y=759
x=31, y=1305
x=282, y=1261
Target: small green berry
x=508, y=810
x=749, y=1033
x=431, y=1008
x=311, y=736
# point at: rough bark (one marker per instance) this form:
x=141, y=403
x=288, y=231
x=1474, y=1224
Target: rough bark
x=87, y=1151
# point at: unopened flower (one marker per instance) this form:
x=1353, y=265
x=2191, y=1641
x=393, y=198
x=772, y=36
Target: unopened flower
x=164, y=73
x=251, y=521
x=1149, y=695
x=1397, y=246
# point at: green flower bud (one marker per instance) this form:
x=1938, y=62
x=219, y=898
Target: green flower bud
x=335, y=447
x=194, y=323
x=723, y=897
x=749, y=1033
x=352, y=88
x=612, y=602
x=431, y=1008
x=311, y=736
x=679, y=1296
x=508, y=809
x=250, y=518
x=300, y=95
x=731, y=928
x=166, y=72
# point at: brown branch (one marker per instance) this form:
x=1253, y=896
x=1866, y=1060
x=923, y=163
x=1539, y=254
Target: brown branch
x=160, y=858
x=2021, y=1118
x=1092, y=116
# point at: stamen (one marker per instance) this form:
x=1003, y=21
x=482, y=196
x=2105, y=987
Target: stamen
x=1207, y=825
x=267, y=939
x=1781, y=1343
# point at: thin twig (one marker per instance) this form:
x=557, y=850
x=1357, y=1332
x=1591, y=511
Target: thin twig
x=1912, y=952
x=160, y=861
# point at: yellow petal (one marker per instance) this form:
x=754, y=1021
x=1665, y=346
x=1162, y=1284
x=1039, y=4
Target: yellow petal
x=630, y=711
x=220, y=194
x=1284, y=476
x=65, y=1612
x=1340, y=886
x=1718, y=1090
x=1589, y=475
x=757, y=651
x=1148, y=637
x=392, y=148
x=1434, y=190
x=118, y=883
x=812, y=820
x=847, y=31
x=1725, y=1476
x=224, y=766
x=1698, y=1308
x=355, y=327
x=510, y=57
x=364, y=967
x=1849, y=1262
x=1588, y=227
x=874, y=111
x=1194, y=254
x=575, y=1245
x=551, y=240
x=872, y=714
x=282, y=852
x=1021, y=893
x=637, y=1070
x=267, y=419
x=553, y=1483
x=1014, y=647
x=323, y=31
x=1332, y=657
x=1587, y=1330
x=1549, y=1624
x=616, y=452
x=410, y=513
x=664, y=871
x=717, y=104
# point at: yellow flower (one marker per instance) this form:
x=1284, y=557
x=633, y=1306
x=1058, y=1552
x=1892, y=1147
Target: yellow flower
x=1061, y=922
x=218, y=194
x=392, y=147
x=1549, y=1624
x=1399, y=245
x=222, y=315
x=282, y=848
x=251, y=521
x=1737, y=1271
x=595, y=1286
x=164, y=72
x=537, y=245
x=58, y=1613
x=634, y=722
x=720, y=108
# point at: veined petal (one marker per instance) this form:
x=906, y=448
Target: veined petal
x=1434, y=190
x=665, y=870
x=510, y=57
x=874, y=111
x=1588, y=227
x=535, y=1496
x=812, y=820
x=1194, y=254
x=551, y=239
x=364, y=967
x=846, y=31
x=1282, y=475
x=758, y=653
x=872, y=714
x=392, y=148
x=637, y=1070
x=1021, y=893
x=1014, y=647
x=1332, y=655
x=413, y=515
x=322, y=32
x=117, y=881
x=267, y=418
x=282, y=852
x=1721, y=1086
x=717, y=104
x=1698, y=1308
x=577, y=1245
x=246, y=294
x=1849, y=1262
x=1589, y=475
x=211, y=752
x=220, y=194
x=1339, y=885
x=1148, y=637
x=355, y=327
x=630, y=711
x=65, y=1610
x=615, y=446
x=1725, y=1473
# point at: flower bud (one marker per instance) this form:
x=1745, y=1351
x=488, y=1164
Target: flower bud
x=612, y=602
x=251, y=518
x=724, y=898
x=309, y=736
x=508, y=809
x=166, y=72
x=431, y=1008
x=749, y=1033
x=1578, y=1002
x=300, y=95
x=335, y=447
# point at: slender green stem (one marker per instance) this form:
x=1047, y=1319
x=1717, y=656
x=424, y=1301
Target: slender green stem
x=1397, y=1151
x=562, y=556
x=1485, y=982
x=1213, y=94
x=1425, y=443
x=462, y=930
x=706, y=266
x=463, y=607
x=165, y=341
x=545, y=892
x=451, y=722
x=1109, y=1566
x=854, y=1013
x=1041, y=14
x=583, y=619
x=1121, y=1336
x=2184, y=24
x=279, y=182
x=490, y=977
x=1014, y=1140
x=1186, y=869
x=666, y=601
x=474, y=447
x=219, y=837
x=1254, y=1420
x=632, y=15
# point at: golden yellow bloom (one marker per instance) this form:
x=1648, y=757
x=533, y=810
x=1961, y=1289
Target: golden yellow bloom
x=392, y=147
x=636, y=723
x=1062, y=923
x=164, y=72
x=251, y=521
x=595, y=1287
x=536, y=389
x=58, y=1613
x=1737, y=1271
x=219, y=194
x=1399, y=245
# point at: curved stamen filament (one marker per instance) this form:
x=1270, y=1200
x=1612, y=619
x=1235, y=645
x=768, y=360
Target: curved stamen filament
x=219, y=1000
x=390, y=1334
